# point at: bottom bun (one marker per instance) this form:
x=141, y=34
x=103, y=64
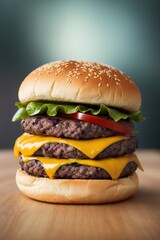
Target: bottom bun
x=76, y=191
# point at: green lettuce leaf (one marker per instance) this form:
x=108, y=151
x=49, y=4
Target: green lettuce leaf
x=52, y=109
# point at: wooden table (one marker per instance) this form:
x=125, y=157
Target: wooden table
x=138, y=218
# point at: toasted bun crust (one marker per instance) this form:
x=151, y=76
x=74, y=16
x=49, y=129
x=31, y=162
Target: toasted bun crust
x=80, y=82
x=76, y=191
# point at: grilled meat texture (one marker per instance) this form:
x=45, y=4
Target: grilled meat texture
x=66, y=128
x=74, y=171
x=60, y=150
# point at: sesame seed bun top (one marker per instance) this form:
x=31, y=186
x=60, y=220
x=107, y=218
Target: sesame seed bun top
x=81, y=82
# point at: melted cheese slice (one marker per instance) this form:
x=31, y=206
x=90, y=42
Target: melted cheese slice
x=114, y=166
x=28, y=144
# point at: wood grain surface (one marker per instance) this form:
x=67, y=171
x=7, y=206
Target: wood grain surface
x=137, y=218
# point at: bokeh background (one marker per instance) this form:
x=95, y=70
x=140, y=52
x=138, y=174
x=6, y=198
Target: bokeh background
x=124, y=34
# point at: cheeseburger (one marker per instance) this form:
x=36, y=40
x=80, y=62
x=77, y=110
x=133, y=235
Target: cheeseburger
x=78, y=143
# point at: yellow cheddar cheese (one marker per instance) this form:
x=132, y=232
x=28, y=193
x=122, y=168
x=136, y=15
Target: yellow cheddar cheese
x=28, y=144
x=114, y=166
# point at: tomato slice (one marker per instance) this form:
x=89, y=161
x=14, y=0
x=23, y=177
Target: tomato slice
x=118, y=127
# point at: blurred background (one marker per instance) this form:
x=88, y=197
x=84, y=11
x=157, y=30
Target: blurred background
x=124, y=34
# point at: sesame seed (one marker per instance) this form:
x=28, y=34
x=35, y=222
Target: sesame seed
x=117, y=83
x=99, y=84
x=59, y=70
x=107, y=85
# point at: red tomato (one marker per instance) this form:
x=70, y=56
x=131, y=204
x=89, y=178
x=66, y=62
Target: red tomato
x=111, y=124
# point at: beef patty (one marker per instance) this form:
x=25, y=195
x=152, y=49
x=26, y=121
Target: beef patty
x=66, y=128
x=60, y=150
x=74, y=170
